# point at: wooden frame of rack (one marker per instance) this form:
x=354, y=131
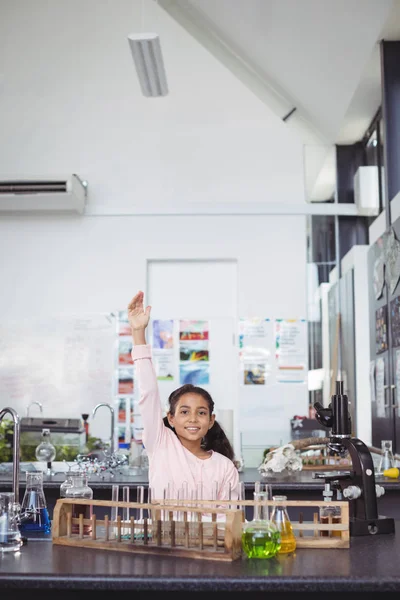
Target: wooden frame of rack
x=180, y=529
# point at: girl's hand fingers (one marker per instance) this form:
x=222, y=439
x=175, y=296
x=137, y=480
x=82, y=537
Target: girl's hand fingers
x=136, y=301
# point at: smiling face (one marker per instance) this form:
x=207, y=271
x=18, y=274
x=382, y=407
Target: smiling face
x=191, y=419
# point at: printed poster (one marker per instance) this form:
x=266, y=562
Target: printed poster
x=124, y=351
x=372, y=380
x=395, y=321
x=163, y=334
x=291, y=348
x=194, y=357
x=381, y=337
x=255, y=341
x=380, y=387
x=163, y=344
x=397, y=377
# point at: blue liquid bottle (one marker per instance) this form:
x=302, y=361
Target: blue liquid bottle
x=34, y=514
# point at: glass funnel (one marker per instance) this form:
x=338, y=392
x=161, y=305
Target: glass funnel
x=34, y=513
x=10, y=536
x=260, y=537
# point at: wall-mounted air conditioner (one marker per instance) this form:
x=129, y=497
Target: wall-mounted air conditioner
x=53, y=194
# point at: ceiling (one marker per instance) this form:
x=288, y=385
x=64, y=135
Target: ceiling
x=319, y=57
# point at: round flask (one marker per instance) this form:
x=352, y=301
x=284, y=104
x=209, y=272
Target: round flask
x=260, y=537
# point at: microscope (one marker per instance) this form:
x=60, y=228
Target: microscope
x=358, y=486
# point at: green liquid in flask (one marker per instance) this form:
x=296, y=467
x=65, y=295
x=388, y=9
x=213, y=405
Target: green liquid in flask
x=260, y=543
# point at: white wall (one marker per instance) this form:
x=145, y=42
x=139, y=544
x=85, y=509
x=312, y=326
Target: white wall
x=70, y=103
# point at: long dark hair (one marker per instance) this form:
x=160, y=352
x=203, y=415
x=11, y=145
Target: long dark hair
x=215, y=439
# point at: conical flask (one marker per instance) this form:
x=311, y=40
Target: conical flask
x=34, y=513
x=387, y=459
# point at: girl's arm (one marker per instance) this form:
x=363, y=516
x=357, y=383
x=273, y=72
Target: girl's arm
x=149, y=403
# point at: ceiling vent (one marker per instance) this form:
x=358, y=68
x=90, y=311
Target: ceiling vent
x=56, y=194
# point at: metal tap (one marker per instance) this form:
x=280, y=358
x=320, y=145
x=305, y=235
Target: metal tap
x=112, y=422
x=17, y=429
x=31, y=404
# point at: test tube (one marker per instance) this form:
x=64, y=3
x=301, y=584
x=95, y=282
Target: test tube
x=125, y=510
x=242, y=496
x=114, y=509
x=140, y=499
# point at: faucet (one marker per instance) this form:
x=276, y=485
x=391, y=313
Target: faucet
x=31, y=404
x=17, y=428
x=112, y=422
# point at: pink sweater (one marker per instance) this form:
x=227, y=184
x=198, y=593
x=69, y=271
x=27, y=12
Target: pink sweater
x=170, y=463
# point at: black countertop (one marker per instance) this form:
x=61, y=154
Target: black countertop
x=370, y=564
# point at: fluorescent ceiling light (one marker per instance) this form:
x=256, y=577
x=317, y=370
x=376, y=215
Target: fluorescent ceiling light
x=146, y=52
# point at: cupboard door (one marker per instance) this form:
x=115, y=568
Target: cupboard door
x=381, y=412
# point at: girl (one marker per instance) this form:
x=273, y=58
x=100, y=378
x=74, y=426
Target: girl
x=187, y=450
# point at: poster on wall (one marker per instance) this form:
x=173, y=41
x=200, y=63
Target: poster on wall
x=255, y=341
x=163, y=334
x=194, y=366
x=163, y=344
x=391, y=250
x=124, y=351
x=381, y=319
x=397, y=376
x=395, y=321
x=372, y=380
x=380, y=387
x=291, y=347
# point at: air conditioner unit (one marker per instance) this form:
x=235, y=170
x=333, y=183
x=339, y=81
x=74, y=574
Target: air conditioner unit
x=366, y=191
x=56, y=194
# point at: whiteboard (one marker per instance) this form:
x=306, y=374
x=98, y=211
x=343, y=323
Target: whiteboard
x=65, y=362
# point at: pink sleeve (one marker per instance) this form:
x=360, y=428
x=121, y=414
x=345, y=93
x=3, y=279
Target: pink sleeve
x=149, y=402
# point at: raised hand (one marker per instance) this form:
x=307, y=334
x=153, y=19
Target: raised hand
x=138, y=317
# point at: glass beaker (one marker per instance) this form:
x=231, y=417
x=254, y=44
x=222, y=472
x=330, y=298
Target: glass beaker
x=281, y=519
x=260, y=537
x=34, y=514
x=10, y=536
x=387, y=459
x=80, y=489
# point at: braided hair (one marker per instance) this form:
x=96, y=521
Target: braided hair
x=215, y=439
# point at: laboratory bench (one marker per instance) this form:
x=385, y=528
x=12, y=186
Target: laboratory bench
x=371, y=564
x=299, y=485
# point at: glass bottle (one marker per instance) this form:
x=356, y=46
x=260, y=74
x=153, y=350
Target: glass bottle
x=329, y=513
x=45, y=451
x=260, y=537
x=66, y=483
x=34, y=514
x=80, y=489
x=10, y=536
x=281, y=519
x=387, y=458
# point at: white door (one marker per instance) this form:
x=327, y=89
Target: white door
x=201, y=290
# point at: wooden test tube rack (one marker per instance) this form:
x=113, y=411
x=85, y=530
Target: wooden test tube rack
x=181, y=529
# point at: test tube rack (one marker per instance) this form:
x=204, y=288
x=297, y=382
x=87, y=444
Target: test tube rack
x=181, y=529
